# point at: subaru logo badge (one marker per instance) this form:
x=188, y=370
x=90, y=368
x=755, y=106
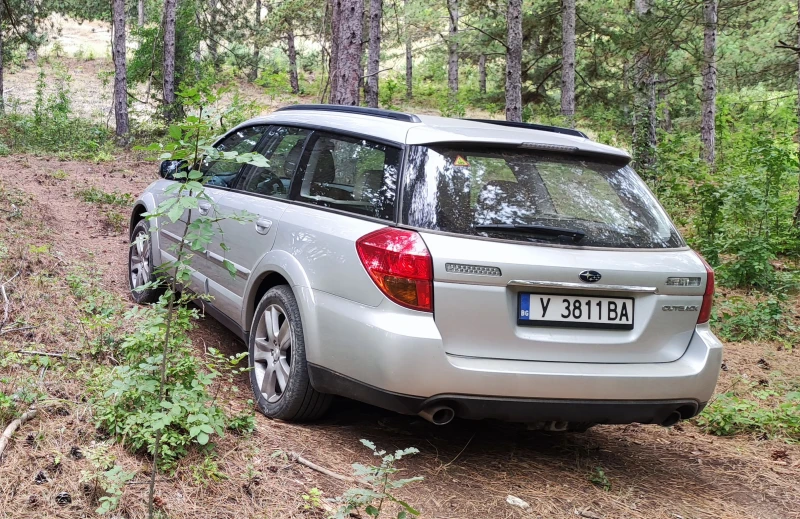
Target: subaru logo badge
x=590, y=276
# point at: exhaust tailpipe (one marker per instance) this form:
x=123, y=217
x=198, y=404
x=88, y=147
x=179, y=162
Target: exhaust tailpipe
x=438, y=414
x=672, y=419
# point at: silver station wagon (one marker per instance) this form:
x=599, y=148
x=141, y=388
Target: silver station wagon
x=447, y=268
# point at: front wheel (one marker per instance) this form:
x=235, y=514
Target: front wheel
x=277, y=358
x=140, y=264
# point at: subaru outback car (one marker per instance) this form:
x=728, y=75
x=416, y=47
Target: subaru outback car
x=446, y=268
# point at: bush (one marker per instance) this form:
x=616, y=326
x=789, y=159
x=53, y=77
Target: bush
x=738, y=319
x=730, y=414
x=130, y=408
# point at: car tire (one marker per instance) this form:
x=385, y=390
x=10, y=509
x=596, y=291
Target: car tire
x=277, y=359
x=140, y=265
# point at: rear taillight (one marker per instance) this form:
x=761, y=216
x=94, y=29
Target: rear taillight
x=398, y=262
x=708, y=295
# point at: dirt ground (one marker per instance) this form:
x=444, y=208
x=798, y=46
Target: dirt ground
x=470, y=468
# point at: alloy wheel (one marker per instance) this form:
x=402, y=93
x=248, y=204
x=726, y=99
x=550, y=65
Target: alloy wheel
x=272, y=354
x=140, y=269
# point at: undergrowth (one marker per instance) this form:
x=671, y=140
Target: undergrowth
x=730, y=414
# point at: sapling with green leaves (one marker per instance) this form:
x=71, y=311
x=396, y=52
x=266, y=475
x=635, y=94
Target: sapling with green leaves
x=382, y=483
x=166, y=375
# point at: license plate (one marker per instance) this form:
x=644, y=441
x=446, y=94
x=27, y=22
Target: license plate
x=612, y=313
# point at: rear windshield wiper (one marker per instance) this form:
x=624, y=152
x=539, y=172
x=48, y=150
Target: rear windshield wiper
x=541, y=230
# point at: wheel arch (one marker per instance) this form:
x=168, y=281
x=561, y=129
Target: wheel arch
x=275, y=268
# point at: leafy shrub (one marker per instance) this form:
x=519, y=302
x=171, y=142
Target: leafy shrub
x=130, y=409
x=730, y=414
x=98, y=196
x=738, y=319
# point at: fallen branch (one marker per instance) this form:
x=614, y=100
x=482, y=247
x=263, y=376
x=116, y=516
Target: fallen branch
x=313, y=466
x=13, y=426
x=6, y=302
x=18, y=329
x=58, y=355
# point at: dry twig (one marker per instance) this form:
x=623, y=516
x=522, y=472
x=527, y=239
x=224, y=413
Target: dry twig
x=57, y=355
x=13, y=426
x=313, y=466
x=6, y=302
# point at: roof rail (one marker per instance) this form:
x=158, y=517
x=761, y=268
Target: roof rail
x=531, y=126
x=374, y=112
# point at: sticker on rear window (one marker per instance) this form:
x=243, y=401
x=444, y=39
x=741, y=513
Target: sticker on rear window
x=460, y=161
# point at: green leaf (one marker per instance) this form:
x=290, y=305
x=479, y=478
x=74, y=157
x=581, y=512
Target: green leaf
x=231, y=267
x=175, y=132
x=372, y=511
x=202, y=438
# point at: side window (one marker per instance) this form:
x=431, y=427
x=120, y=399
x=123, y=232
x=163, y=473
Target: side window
x=222, y=173
x=351, y=174
x=282, y=148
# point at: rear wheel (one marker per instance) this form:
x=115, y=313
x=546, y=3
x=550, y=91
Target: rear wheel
x=140, y=264
x=277, y=358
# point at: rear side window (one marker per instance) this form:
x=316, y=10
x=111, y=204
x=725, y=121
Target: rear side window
x=532, y=197
x=351, y=174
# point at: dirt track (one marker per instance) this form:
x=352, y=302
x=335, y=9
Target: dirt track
x=469, y=468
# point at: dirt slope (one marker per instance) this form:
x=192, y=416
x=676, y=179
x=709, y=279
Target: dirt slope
x=469, y=468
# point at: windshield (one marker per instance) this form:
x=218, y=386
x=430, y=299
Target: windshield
x=532, y=196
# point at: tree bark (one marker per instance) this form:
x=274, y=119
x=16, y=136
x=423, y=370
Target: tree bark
x=482, y=74
x=292, y=54
x=120, y=69
x=256, y=44
x=31, y=38
x=709, y=97
x=644, y=111
x=452, y=47
x=348, y=55
x=663, y=98
x=140, y=13
x=213, y=48
x=409, y=56
x=374, y=59
x=169, y=57
x=333, y=68
x=514, y=61
x=568, y=61
x=2, y=74
x=797, y=209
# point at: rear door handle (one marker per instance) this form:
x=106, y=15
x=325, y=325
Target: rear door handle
x=204, y=209
x=263, y=225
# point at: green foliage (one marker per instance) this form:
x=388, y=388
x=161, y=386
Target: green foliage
x=98, y=196
x=598, y=478
x=106, y=477
x=207, y=472
x=313, y=500
x=768, y=318
x=382, y=484
x=52, y=127
x=130, y=409
x=730, y=414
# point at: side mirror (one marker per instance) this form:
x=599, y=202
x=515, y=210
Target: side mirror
x=170, y=167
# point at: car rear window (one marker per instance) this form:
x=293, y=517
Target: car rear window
x=532, y=196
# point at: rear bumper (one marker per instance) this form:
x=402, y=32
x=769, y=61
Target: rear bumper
x=358, y=351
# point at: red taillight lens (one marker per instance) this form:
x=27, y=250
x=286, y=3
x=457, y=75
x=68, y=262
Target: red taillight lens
x=398, y=262
x=708, y=295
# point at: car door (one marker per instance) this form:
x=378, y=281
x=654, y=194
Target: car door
x=219, y=177
x=262, y=192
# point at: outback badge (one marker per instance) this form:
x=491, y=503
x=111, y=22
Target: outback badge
x=590, y=276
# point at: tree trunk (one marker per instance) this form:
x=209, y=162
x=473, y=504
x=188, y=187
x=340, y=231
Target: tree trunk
x=2, y=73
x=709, y=107
x=452, y=47
x=213, y=48
x=663, y=99
x=120, y=69
x=256, y=44
x=348, y=55
x=30, y=37
x=374, y=60
x=514, y=61
x=292, y=53
x=482, y=74
x=140, y=13
x=333, y=68
x=568, y=61
x=409, y=56
x=169, y=57
x=644, y=114
x=797, y=209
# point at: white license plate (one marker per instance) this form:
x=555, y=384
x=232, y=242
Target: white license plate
x=613, y=313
